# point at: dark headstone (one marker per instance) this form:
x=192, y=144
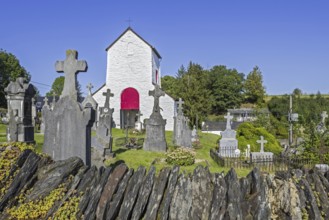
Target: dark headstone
x=155, y=139
x=182, y=135
x=103, y=140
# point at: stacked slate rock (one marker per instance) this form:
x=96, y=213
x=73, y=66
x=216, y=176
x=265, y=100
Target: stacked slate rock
x=155, y=139
x=182, y=135
x=68, y=124
x=20, y=124
x=103, y=140
x=117, y=192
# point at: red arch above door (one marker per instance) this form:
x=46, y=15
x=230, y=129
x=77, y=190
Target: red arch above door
x=130, y=99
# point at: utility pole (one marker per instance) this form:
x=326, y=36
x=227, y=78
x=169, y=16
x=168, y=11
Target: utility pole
x=292, y=117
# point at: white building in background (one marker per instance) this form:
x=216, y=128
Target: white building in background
x=133, y=68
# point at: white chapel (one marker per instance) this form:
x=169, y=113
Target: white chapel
x=133, y=68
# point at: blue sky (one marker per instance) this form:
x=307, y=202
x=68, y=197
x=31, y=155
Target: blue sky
x=287, y=39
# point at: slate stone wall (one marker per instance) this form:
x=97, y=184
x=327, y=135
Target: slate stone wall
x=118, y=192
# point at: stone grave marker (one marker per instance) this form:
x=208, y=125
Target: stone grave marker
x=139, y=123
x=182, y=135
x=228, y=144
x=19, y=98
x=68, y=125
x=103, y=140
x=261, y=156
x=155, y=139
x=90, y=102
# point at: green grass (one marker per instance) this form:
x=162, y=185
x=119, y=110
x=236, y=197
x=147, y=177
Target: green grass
x=135, y=158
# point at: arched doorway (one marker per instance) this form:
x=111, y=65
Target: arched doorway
x=129, y=107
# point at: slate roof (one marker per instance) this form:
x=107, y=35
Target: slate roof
x=130, y=29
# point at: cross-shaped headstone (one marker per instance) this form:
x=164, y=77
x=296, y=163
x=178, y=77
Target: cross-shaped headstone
x=71, y=66
x=228, y=122
x=139, y=114
x=89, y=87
x=180, y=105
x=261, y=142
x=45, y=101
x=324, y=116
x=107, y=94
x=156, y=93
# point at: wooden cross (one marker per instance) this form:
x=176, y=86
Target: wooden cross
x=228, y=122
x=89, y=87
x=107, y=94
x=71, y=66
x=261, y=142
x=156, y=93
x=324, y=116
x=180, y=105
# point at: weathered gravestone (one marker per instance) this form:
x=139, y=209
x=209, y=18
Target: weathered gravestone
x=45, y=105
x=260, y=157
x=182, y=135
x=228, y=144
x=103, y=140
x=19, y=99
x=68, y=125
x=139, y=124
x=90, y=102
x=155, y=139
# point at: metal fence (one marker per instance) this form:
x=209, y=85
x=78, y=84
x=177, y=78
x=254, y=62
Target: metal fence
x=265, y=164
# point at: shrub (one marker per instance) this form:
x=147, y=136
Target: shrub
x=181, y=157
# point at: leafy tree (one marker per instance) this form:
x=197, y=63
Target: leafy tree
x=249, y=133
x=10, y=69
x=254, y=88
x=58, y=86
x=169, y=84
x=297, y=92
x=226, y=86
x=192, y=89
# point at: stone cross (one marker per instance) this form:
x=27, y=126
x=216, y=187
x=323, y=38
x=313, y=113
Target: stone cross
x=139, y=114
x=156, y=93
x=261, y=142
x=89, y=87
x=228, y=122
x=324, y=116
x=54, y=99
x=107, y=94
x=180, y=105
x=71, y=66
x=46, y=101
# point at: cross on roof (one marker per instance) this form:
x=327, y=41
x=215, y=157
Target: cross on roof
x=129, y=21
x=107, y=94
x=89, y=87
x=324, y=115
x=180, y=105
x=71, y=67
x=228, y=122
x=261, y=142
x=156, y=93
